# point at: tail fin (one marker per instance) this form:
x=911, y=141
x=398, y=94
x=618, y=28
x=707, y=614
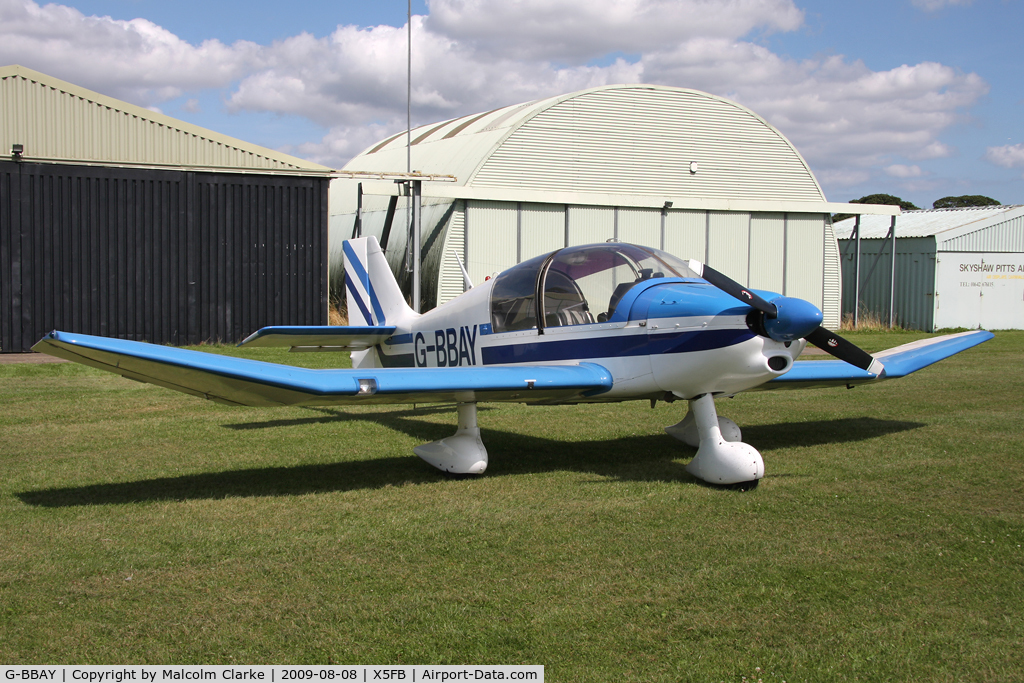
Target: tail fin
x=371, y=290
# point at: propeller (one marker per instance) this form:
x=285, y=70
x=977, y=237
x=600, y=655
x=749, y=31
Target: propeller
x=787, y=319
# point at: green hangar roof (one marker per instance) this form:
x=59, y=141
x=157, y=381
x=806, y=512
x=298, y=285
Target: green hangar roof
x=60, y=122
x=653, y=143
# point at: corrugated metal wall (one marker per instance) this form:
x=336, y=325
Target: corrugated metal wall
x=832, y=282
x=915, y=280
x=686, y=234
x=492, y=240
x=639, y=226
x=161, y=256
x=793, y=254
x=450, y=281
x=805, y=257
x=542, y=229
x=728, y=243
x=1007, y=236
x=768, y=251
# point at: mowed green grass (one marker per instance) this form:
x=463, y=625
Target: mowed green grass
x=138, y=525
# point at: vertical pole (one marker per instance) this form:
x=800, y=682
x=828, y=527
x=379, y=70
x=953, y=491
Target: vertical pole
x=412, y=209
x=892, y=273
x=357, y=229
x=408, y=91
x=664, y=214
x=856, y=277
x=785, y=254
x=519, y=232
x=417, y=187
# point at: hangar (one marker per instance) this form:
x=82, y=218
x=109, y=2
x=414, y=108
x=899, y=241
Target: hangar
x=953, y=268
x=119, y=221
x=691, y=173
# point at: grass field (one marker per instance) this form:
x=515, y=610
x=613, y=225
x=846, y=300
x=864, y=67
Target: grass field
x=142, y=526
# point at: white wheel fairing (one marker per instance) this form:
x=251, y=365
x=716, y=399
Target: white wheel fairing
x=719, y=461
x=461, y=453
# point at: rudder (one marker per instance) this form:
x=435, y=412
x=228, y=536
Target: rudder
x=371, y=291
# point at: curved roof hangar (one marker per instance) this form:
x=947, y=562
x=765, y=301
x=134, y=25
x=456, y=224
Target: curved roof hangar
x=678, y=144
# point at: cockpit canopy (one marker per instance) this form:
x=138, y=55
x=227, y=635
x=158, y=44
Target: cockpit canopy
x=575, y=285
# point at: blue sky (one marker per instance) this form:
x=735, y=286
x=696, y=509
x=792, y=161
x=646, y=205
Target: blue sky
x=916, y=98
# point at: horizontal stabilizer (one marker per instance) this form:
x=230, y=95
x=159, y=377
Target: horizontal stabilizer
x=240, y=381
x=329, y=336
x=898, y=362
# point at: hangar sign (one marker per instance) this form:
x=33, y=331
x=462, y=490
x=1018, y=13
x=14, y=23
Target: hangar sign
x=979, y=290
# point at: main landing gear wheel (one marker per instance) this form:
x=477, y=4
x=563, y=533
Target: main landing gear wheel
x=461, y=453
x=721, y=458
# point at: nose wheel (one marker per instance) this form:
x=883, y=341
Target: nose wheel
x=721, y=457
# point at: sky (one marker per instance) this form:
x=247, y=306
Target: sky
x=920, y=99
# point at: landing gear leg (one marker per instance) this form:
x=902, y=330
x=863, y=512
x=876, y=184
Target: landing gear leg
x=719, y=461
x=686, y=429
x=461, y=453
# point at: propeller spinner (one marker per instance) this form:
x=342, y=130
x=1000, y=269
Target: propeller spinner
x=788, y=319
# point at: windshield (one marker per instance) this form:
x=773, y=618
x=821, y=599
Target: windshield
x=579, y=285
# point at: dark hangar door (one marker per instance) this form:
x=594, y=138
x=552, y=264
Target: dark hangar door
x=161, y=256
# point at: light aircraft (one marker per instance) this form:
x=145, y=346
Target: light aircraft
x=596, y=323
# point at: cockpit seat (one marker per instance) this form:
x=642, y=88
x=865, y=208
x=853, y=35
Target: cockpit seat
x=564, y=303
x=622, y=288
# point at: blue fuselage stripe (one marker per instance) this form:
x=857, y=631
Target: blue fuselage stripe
x=611, y=347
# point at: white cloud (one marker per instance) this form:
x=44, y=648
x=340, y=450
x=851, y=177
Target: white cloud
x=934, y=5
x=576, y=31
x=1007, y=156
x=344, y=142
x=903, y=171
x=836, y=112
x=133, y=60
x=844, y=177
x=475, y=55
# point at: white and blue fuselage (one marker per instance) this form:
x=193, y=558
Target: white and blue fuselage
x=666, y=335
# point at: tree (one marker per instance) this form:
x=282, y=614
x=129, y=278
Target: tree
x=964, y=200
x=877, y=199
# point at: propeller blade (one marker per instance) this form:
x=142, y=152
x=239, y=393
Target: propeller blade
x=843, y=350
x=791, y=323
x=732, y=288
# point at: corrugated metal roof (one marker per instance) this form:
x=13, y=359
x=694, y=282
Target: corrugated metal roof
x=946, y=225
x=60, y=121
x=623, y=139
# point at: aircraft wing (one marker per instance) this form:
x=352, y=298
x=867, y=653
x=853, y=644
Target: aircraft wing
x=319, y=337
x=240, y=381
x=898, y=362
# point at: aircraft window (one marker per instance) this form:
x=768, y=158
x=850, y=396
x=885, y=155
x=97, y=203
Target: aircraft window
x=513, y=298
x=576, y=284
x=564, y=303
x=605, y=272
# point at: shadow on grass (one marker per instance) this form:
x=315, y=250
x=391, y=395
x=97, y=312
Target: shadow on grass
x=636, y=458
